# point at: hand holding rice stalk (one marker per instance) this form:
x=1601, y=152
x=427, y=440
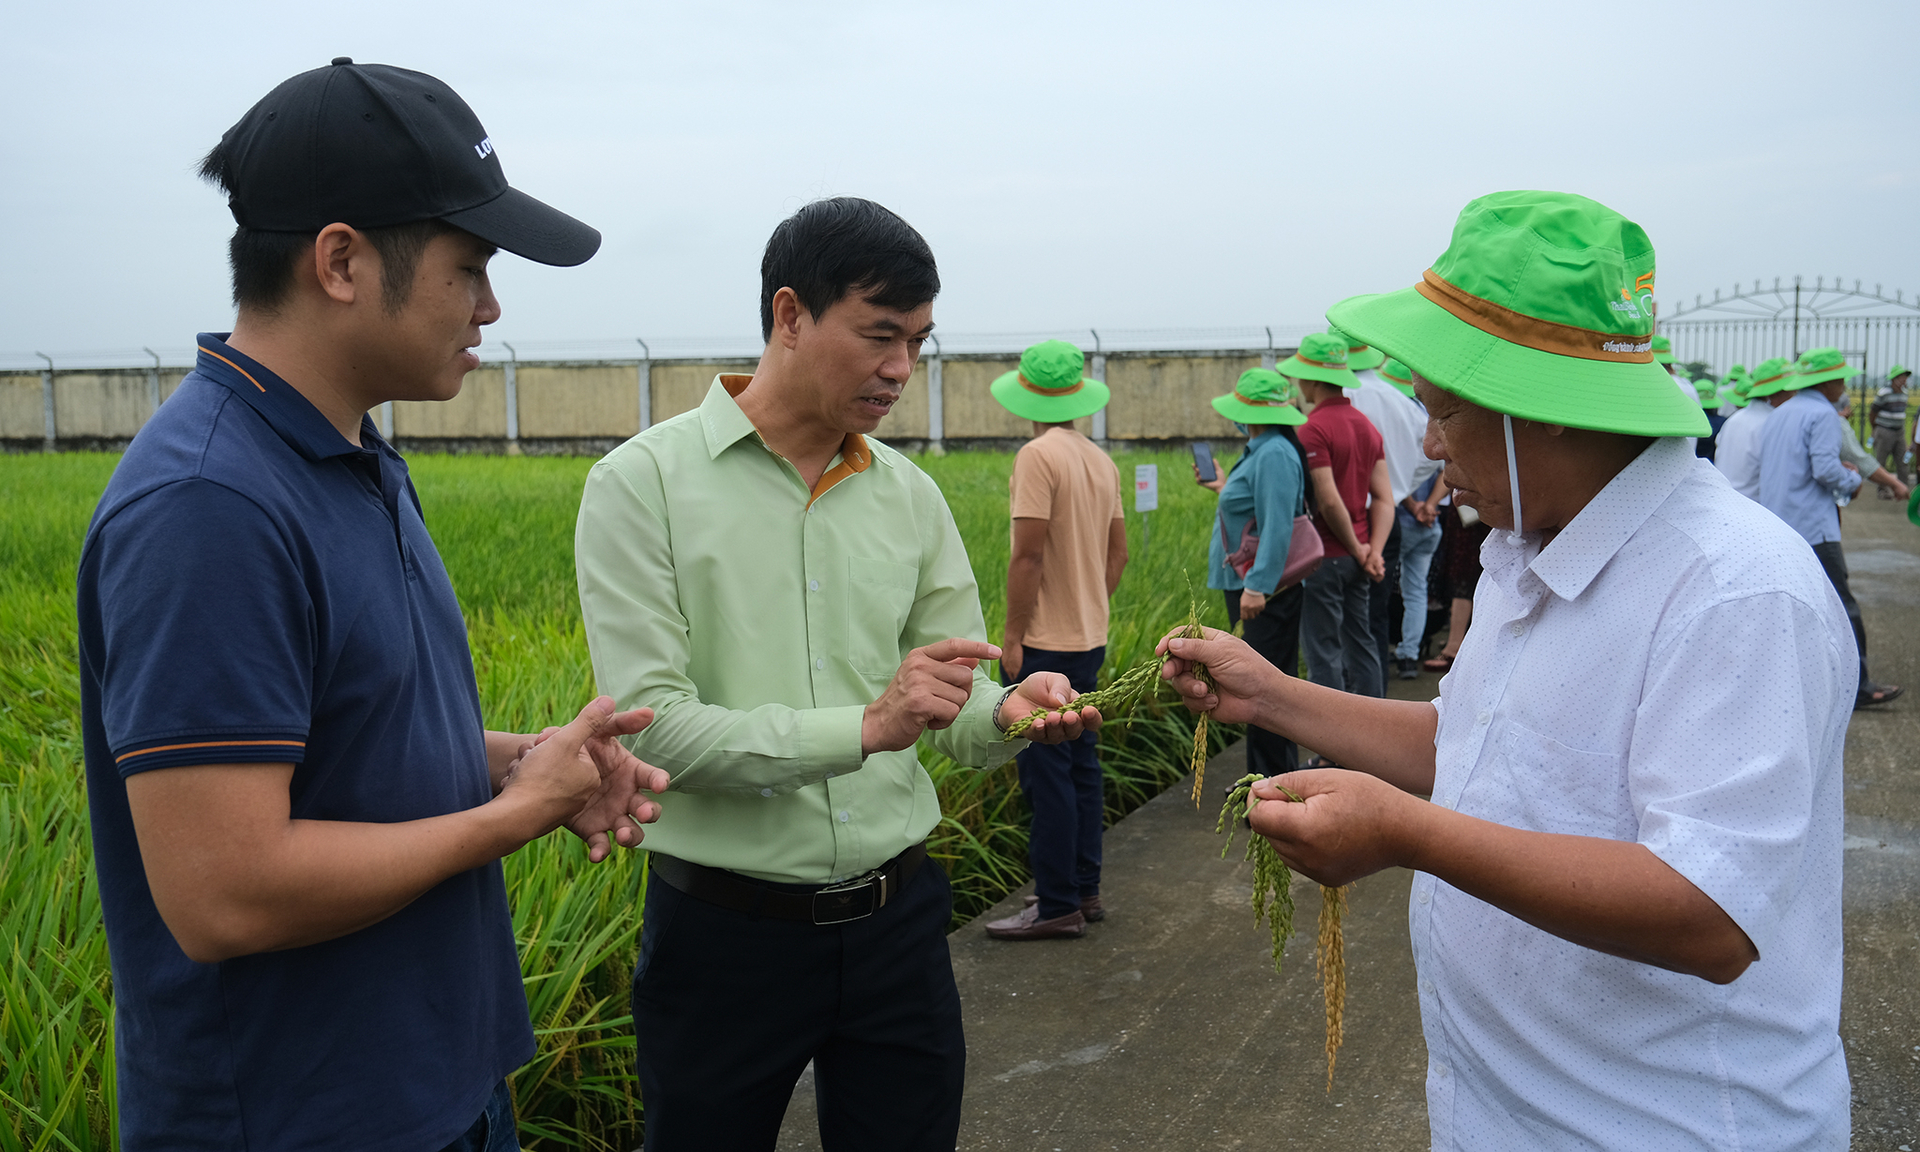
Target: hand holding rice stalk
x=1134, y=685
x=1113, y=701
x=1273, y=902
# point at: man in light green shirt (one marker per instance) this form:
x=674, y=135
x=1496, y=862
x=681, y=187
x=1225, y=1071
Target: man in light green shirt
x=794, y=603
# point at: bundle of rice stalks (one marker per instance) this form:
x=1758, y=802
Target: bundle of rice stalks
x=1273, y=902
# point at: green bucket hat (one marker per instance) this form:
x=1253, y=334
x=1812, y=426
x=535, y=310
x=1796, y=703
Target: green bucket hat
x=1897, y=371
x=1662, y=350
x=1540, y=308
x=1261, y=396
x=1323, y=357
x=1049, y=387
x=1818, y=366
x=1709, y=393
x=1398, y=375
x=1913, y=505
x=1770, y=377
x=1360, y=357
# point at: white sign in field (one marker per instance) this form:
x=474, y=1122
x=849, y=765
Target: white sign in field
x=1146, y=487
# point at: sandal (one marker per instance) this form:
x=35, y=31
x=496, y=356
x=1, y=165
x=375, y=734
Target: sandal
x=1877, y=694
x=1440, y=663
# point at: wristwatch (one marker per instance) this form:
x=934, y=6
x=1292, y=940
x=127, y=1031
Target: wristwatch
x=1002, y=703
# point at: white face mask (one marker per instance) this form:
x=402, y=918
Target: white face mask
x=1513, y=479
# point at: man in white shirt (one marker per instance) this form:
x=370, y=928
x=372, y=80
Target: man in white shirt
x=1401, y=423
x=1626, y=917
x=1738, y=454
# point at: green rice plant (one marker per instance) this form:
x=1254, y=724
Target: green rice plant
x=56, y=1042
x=504, y=527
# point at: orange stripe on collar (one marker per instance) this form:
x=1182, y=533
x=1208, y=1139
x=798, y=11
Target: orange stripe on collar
x=233, y=366
x=855, y=456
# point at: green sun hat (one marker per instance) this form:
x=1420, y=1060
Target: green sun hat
x=1323, y=357
x=1897, y=371
x=1772, y=376
x=1913, y=506
x=1261, y=396
x=1662, y=350
x=1360, y=357
x=1709, y=393
x=1398, y=375
x=1541, y=308
x=1049, y=385
x=1819, y=366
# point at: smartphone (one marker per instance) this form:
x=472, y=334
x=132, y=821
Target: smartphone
x=1203, y=461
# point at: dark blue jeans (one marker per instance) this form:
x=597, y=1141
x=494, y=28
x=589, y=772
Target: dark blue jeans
x=494, y=1130
x=1066, y=790
x=1275, y=635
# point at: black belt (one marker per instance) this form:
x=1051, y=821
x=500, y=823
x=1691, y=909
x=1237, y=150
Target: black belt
x=848, y=900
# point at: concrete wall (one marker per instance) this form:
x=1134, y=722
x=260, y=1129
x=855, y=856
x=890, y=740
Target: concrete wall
x=22, y=407
x=1168, y=397
x=579, y=400
x=585, y=407
x=479, y=412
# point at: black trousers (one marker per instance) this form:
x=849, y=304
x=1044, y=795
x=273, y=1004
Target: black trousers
x=1381, y=613
x=1835, y=563
x=1274, y=634
x=728, y=1008
x=1067, y=792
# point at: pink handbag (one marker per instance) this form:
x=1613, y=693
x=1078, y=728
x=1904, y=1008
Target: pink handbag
x=1304, y=551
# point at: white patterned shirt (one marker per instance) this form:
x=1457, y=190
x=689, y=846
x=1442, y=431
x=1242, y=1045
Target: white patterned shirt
x=1675, y=670
x=1737, y=450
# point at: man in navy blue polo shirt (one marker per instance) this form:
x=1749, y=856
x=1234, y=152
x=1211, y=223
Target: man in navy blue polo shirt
x=297, y=812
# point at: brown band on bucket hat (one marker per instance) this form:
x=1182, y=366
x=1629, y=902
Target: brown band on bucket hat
x=1532, y=332
x=1068, y=390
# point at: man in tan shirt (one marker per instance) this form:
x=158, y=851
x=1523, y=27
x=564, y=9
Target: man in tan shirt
x=1069, y=548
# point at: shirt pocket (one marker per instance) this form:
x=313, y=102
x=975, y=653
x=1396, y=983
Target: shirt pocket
x=1561, y=789
x=880, y=598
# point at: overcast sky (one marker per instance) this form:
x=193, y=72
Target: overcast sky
x=1104, y=165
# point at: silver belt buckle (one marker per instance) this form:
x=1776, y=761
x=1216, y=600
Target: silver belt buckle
x=850, y=900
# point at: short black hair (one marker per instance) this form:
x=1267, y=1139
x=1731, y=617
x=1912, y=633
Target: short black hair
x=263, y=262
x=832, y=247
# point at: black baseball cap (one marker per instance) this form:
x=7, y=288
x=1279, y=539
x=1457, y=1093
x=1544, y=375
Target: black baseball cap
x=372, y=146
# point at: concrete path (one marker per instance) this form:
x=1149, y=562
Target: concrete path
x=1166, y=1028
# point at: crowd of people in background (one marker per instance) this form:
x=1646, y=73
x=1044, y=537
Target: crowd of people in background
x=1786, y=439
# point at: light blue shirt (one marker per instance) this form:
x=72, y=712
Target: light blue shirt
x=1800, y=470
x=1265, y=486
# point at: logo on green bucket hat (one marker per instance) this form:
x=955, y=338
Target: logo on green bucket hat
x=1323, y=357
x=1540, y=308
x=1049, y=385
x=1261, y=396
x=1360, y=357
x=1820, y=366
x=1770, y=377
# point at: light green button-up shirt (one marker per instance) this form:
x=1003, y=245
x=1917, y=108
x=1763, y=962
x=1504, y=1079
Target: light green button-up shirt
x=758, y=620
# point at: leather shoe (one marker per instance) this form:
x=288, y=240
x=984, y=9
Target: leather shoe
x=1027, y=925
x=1090, y=906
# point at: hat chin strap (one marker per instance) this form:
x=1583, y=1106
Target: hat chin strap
x=1513, y=479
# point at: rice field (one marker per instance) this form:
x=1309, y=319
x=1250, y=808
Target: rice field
x=505, y=529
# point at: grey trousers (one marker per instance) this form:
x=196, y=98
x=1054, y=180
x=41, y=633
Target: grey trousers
x=1890, y=448
x=1334, y=629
